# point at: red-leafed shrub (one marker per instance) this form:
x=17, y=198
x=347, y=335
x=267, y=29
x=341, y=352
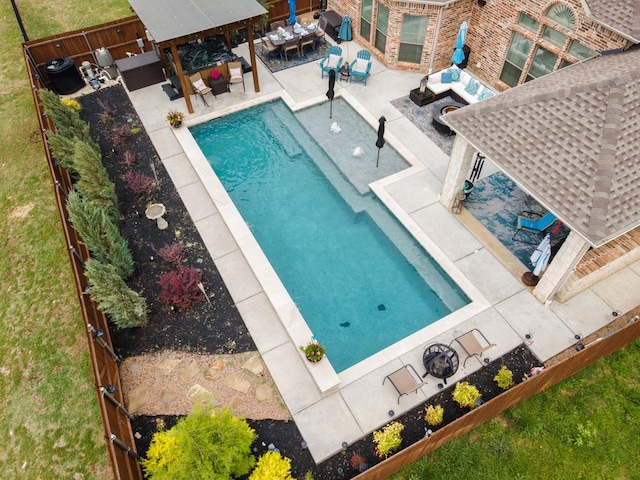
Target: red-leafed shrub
x=173, y=254
x=129, y=160
x=139, y=183
x=180, y=288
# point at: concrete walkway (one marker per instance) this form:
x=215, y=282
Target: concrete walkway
x=353, y=403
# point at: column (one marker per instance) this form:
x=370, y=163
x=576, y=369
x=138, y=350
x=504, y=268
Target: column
x=459, y=164
x=560, y=269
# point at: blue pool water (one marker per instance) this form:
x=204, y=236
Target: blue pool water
x=360, y=281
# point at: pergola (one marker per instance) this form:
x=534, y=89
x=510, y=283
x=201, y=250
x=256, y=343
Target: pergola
x=174, y=22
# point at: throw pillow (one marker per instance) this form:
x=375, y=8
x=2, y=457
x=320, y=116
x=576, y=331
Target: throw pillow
x=486, y=93
x=236, y=73
x=455, y=74
x=215, y=74
x=472, y=87
x=361, y=66
x=446, y=77
x=333, y=61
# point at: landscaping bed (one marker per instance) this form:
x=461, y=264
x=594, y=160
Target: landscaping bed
x=216, y=327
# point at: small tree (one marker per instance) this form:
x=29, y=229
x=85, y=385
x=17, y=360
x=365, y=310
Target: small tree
x=98, y=232
x=272, y=466
x=94, y=183
x=122, y=305
x=62, y=149
x=205, y=444
x=67, y=120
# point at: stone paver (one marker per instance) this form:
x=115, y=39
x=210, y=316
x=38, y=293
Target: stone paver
x=189, y=371
x=254, y=365
x=236, y=383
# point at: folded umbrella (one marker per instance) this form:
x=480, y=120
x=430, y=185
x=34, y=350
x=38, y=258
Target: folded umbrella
x=380, y=140
x=458, y=53
x=330, y=92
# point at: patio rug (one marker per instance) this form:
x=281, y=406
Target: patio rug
x=496, y=201
x=421, y=118
x=276, y=64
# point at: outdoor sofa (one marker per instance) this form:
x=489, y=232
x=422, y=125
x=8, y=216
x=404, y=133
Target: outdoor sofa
x=459, y=82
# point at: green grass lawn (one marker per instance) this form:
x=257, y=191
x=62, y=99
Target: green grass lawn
x=50, y=426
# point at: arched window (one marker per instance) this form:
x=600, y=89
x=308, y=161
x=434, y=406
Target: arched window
x=562, y=14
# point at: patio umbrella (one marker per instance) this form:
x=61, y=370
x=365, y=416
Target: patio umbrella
x=380, y=141
x=330, y=92
x=344, y=33
x=458, y=54
x=292, y=12
x=540, y=256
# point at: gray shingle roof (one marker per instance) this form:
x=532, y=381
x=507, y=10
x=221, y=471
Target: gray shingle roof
x=571, y=139
x=169, y=19
x=622, y=16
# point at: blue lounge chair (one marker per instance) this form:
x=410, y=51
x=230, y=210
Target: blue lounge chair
x=360, y=68
x=332, y=61
x=531, y=225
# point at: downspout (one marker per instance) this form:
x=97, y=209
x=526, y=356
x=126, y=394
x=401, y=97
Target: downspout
x=435, y=42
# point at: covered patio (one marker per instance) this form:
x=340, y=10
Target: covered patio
x=572, y=149
x=173, y=23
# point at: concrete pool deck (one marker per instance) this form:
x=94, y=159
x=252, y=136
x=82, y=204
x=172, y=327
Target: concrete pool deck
x=356, y=402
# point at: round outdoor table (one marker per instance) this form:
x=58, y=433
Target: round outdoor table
x=344, y=73
x=440, y=360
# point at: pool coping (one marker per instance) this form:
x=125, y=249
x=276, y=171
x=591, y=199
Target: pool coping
x=326, y=379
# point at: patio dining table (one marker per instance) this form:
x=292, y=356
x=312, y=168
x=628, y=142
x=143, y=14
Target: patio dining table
x=290, y=32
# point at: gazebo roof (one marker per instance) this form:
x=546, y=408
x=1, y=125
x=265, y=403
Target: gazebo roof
x=169, y=19
x=571, y=139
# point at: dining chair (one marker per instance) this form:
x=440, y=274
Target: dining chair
x=235, y=74
x=277, y=24
x=199, y=87
x=322, y=28
x=268, y=48
x=290, y=45
x=307, y=40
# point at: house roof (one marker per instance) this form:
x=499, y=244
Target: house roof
x=571, y=139
x=169, y=19
x=621, y=16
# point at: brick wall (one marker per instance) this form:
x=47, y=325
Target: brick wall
x=490, y=30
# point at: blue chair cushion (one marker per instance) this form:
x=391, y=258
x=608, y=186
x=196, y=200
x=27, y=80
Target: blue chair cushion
x=455, y=74
x=472, y=87
x=445, y=77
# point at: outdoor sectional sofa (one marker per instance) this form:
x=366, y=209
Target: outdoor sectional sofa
x=460, y=83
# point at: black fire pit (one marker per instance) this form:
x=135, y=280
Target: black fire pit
x=440, y=110
x=440, y=360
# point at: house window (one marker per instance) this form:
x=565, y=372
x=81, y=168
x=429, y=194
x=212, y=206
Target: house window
x=414, y=30
x=516, y=59
x=538, y=51
x=382, y=22
x=365, y=18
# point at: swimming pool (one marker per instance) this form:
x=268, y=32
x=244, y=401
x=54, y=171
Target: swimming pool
x=359, y=280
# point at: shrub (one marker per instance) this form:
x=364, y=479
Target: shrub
x=388, y=439
x=107, y=114
x=173, y=254
x=99, y=233
x=434, y=415
x=129, y=160
x=71, y=103
x=121, y=134
x=272, y=466
x=139, y=183
x=205, y=444
x=122, y=305
x=94, y=183
x=62, y=149
x=466, y=395
x=504, y=378
x=67, y=121
x=181, y=288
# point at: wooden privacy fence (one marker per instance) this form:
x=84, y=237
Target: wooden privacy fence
x=104, y=361
x=494, y=407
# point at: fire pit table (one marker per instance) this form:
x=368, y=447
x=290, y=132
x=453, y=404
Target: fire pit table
x=440, y=360
x=440, y=110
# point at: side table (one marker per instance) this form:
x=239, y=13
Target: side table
x=422, y=98
x=344, y=72
x=218, y=85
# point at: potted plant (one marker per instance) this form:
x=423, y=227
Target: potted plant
x=175, y=118
x=313, y=351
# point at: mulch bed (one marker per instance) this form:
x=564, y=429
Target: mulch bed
x=217, y=327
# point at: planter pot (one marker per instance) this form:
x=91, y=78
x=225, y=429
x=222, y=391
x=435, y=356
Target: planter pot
x=175, y=124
